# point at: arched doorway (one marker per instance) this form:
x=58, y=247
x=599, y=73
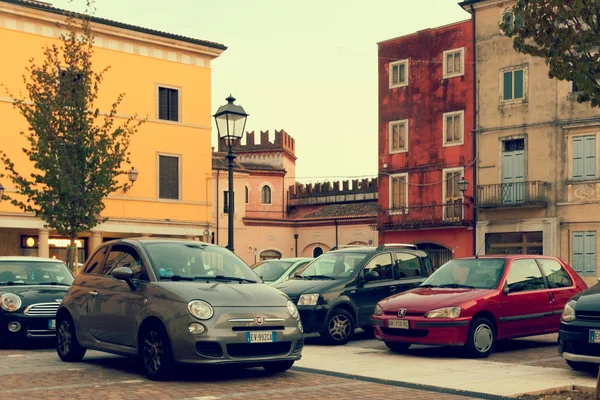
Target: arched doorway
x=317, y=251
x=270, y=255
x=439, y=254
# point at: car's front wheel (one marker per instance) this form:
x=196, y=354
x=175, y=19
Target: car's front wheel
x=339, y=327
x=156, y=355
x=67, y=345
x=397, y=347
x=482, y=338
x=276, y=367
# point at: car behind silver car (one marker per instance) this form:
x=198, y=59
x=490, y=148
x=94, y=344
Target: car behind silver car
x=176, y=301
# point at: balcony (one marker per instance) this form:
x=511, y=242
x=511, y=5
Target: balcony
x=425, y=216
x=516, y=194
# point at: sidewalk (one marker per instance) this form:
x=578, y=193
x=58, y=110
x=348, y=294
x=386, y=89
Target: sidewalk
x=458, y=374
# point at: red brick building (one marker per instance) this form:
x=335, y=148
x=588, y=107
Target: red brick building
x=426, y=118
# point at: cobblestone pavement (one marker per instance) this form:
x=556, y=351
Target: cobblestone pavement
x=39, y=374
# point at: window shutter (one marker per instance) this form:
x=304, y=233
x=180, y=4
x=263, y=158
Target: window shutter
x=163, y=103
x=589, y=157
x=457, y=126
x=173, y=105
x=395, y=69
x=577, y=158
x=457, y=66
x=401, y=78
x=589, y=247
x=449, y=128
x=449, y=64
x=168, y=177
x=578, y=255
x=508, y=85
x=519, y=84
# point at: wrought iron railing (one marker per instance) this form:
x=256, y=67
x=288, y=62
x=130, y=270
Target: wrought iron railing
x=456, y=213
x=514, y=194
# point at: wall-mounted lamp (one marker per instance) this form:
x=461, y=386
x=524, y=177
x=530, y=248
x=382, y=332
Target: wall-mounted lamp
x=132, y=175
x=1, y=191
x=463, y=184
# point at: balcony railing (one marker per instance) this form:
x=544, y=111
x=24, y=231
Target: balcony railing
x=425, y=216
x=514, y=194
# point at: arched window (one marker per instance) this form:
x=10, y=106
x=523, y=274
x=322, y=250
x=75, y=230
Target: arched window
x=247, y=196
x=266, y=195
x=270, y=255
x=317, y=251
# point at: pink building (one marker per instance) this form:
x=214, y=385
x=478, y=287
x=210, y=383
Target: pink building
x=276, y=217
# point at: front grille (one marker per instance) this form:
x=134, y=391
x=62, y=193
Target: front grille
x=258, y=328
x=408, y=313
x=42, y=309
x=41, y=333
x=258, y=349
x=299, y=346
x=209, y=349
x=404, y=332
x=588, y=315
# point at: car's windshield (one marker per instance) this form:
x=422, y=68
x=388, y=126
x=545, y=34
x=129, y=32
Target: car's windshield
x=479, y=273
x=34, y=273
x=178, y=260
x=332, y=266
x=271, y=270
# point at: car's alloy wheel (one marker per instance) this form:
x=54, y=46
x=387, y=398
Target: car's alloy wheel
x=482, y=338
x=67, y=345
x=339, y=327
x=278, y=366
x=156, y=354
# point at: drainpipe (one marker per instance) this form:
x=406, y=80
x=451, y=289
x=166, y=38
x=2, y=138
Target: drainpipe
x=336, y=232
x=296, y=243
x=474, y=132
x=217, y=212
x=283, y=195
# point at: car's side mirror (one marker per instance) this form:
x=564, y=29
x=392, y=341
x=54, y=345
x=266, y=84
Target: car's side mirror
x=371, y=276
x=124, y=274
x=505, y=289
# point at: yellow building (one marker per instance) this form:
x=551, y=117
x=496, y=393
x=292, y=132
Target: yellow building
x=538, y=176
x=166, y=78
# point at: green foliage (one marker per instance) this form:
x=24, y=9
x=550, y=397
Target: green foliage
x=566, y=33
x=77, y=150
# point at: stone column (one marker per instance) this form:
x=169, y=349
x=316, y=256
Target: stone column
x=43, y=247
x=96, y=240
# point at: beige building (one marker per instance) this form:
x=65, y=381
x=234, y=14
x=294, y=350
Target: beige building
x=274, y=217
x=538, y=187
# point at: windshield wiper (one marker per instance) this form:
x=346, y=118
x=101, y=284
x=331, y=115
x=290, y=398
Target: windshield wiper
x=10, y=283
x=457, y=286
x=225, y=278
x=428, y=285
x=319, y=277
x=54, y=283
x=178, y=278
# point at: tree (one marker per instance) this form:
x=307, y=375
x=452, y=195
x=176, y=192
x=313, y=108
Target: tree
x=77, y=153
x=565, y=33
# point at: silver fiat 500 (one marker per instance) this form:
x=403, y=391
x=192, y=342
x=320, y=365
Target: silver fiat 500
x=177, y=301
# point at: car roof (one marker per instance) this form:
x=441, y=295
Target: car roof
x=371, y=249
x=288, y=259
x=29, y=258
x=509, y=256
x=139, y=240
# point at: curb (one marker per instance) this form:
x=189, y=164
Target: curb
x=408, y=385
x=560, y=389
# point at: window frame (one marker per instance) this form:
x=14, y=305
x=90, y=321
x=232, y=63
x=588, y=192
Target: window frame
x=179, y=176
x=461, y=114
x=461, y=173
x=512, y=69
x=179, y=102
x=392, y=265
x=262, y=188
x=393, y=64
x=445, y=74
x=391, y=125
x=246, y=194
x=391, y=194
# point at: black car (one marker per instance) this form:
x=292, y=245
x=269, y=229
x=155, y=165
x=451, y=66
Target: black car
x=31, y=289
x=339, y=290
x=579, y=335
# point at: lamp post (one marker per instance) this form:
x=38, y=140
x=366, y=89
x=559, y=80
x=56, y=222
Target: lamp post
x=231, y=123
x=463, y=184
x=1, y=191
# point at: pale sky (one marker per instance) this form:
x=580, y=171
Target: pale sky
x=309, y=67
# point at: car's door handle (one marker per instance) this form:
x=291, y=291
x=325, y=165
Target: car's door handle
x=392, y=288
x=551, y=297
x=93, y=293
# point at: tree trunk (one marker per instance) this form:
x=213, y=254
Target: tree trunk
x=72, y=253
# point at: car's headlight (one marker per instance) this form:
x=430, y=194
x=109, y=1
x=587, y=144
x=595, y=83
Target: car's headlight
x=10, y=302
x=200, y=309
x=568, y=314
x=446, y=312
x=308, y=300
x=291, y=307
x=378, y=310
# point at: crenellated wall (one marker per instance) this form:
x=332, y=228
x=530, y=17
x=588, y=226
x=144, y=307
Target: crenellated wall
x=331, y=192
x=283, y=142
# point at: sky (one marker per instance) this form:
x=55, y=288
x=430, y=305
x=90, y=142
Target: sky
x=308, y=67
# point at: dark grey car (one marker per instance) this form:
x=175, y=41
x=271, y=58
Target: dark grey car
x=177, y=301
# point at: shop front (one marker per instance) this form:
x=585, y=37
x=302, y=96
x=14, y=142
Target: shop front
x=57, y=247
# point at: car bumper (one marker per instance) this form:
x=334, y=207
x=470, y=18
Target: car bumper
x=34, y=327
x=313, y=318
x=574, y=344
x=225, y=339
x=446, y=332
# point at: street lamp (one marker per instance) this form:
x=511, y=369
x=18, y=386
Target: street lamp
x=463, y=184
x=1, y=191
x=231, y=123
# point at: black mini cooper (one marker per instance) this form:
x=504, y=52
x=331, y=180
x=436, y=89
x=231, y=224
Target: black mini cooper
x=338, y=291
x=31, y=289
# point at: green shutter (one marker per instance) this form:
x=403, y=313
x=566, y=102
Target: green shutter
x=578, y=252
x=589, y=247
x=589, y=157
x=508, y=93
x=578, y=157
x=519, y=84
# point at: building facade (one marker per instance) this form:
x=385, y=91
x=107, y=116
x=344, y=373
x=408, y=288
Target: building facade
x=426, y=109
x=538, y=186
x=166, y=79
x=274, y=217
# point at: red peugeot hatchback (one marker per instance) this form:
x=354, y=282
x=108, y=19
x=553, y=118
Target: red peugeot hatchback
x=473, y=302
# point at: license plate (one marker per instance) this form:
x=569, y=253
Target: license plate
x=52, y=324
x=263, y=337
x=398, y=323
x=594, y=336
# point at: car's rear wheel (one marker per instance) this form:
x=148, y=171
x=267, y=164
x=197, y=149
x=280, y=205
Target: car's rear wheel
x=67, y=345
x=339, y=327
x=482, y=338
x=276, y=367
x=397, y=347
x=156, y=354
x=582, y=366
